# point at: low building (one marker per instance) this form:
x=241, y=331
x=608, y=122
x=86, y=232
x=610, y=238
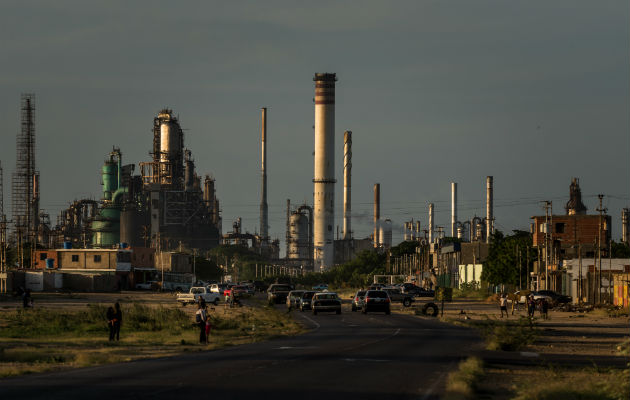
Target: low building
x=583, y=278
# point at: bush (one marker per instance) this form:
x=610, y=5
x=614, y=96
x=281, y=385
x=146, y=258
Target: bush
x=462, y=384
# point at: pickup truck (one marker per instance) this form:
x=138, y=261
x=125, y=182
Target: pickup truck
x=197, y=292
x=396, y=296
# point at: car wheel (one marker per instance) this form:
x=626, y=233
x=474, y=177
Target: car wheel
x=183, y=304
x=388, y=312
x=407, y=302
x=338, y=312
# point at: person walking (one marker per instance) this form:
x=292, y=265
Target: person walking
x=503, y=305
x=208, y=327
x=544, y=308
x=201, y=317
x=111, y=316
x=117, y=320
x=531, y=306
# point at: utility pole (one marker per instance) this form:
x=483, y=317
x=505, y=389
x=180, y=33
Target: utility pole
x=601, y=210
x=580, y=294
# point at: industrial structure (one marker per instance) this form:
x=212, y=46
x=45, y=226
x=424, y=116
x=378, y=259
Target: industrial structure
x=264, y=209
x=25, y=180
x=324, y=171
x=347, y=185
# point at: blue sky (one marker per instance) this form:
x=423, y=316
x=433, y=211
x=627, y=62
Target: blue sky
x=531, y=92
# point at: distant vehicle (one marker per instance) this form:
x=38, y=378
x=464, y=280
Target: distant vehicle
x=417, y=291
x=357, y=300
x=326, y=301
x=148, y=285
x=376, y=286
x=539, y=296
x=197, y=292
x=249, y=287
x=260, y=286
x=306, y=300
x=218, y=288
x=376, y=300
x=278, y=292
x=320, y=287
x=293, y=298
x=396, y=296
x=239, y=291
x=556, y=298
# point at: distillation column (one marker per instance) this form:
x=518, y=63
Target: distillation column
x=453, y=209
x=377, y=213
x=324, y=171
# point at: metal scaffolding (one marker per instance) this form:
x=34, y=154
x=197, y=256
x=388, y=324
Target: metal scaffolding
x=25, y=179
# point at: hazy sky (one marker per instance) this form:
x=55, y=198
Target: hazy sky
x=531, y=92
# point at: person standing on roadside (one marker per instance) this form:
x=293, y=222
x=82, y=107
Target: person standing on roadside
x=503, y=305
x=200, y=318
x=117, y=320
x=544, y=308
x=531, y=306
x=111, y=316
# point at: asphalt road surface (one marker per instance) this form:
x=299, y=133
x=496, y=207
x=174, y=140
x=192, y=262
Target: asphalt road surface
x=347, y=356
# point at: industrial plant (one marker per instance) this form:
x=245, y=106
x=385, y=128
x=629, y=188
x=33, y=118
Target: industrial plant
x=153, y=215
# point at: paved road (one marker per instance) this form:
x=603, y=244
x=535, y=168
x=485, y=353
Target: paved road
x=349, y=356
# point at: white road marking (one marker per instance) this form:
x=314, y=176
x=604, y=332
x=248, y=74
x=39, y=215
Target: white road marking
x=431, y=388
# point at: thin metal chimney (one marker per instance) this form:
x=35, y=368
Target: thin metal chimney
x=453, y=209
x=377, y=212
x=324, y=171
x=347, y=185
x=489, y=217
x=431, y=228
x=264, y=210
x=624, y=225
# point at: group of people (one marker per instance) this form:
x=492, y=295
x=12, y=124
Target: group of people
x=114, y=321
x=541, y=304
x=203, y=321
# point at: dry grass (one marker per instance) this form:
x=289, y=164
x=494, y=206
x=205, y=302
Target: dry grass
x=42, y=340
x=462, y=383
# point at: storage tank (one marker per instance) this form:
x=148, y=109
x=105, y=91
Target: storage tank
x=385, y=234
x=298, y=236
x=131, y=226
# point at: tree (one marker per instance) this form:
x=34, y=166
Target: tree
x=502, y=265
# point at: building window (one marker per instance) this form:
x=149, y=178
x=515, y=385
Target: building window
x=97, y=258
x=560, y=227
x=42, y=256
x=75, y=258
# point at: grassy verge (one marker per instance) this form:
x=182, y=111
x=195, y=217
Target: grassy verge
x=461, y=384
x=37, y=340
x=586, y=384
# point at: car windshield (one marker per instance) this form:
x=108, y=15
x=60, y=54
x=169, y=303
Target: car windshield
x=281, y=288
x=360, y=293
x=308, y=295
x=326, y=296
x=197, y=290
x=376, y=293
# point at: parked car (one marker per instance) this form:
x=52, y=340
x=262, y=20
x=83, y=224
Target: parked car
x=305, y=301
x=320, y=287
x=218, y=288
x=357, y=300
x=326, y=301
x=260, y=286
x=293, y=298
x=556, y=298
x=278, y=292
x=376, y=300
x=197, y=292
x=239, y=291
x=396, y=296
x=420, y=292
x=149, y=285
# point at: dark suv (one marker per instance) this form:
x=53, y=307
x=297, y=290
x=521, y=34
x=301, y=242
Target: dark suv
x=376, y=300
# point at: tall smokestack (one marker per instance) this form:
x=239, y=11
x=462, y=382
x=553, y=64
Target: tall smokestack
x=489, y=218
x=453, y=209
x=624, y=225
x=377, y=212
x=324, y=170
x=431, y=223
x=347, y=185
x=264, y=211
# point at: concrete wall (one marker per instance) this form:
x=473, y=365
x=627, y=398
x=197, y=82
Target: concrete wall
x=470, y=273
x=87, y=259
